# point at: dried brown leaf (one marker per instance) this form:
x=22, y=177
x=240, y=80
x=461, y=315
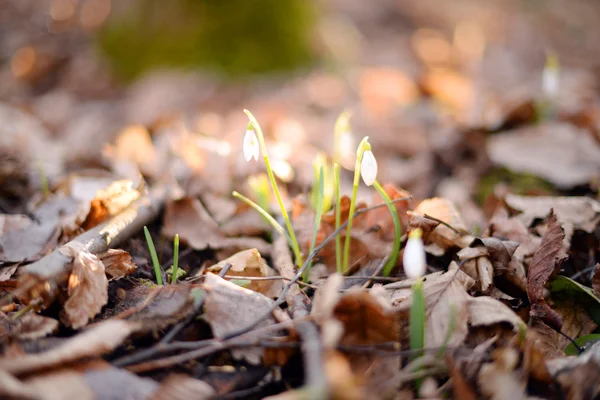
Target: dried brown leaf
x=117, y=263
x=499, y=380
x=250, y=263
x=560, y=153
x=87, y=286
x=445, y=295
x=546, y=261
x=182, y=387
x=488, y=311
x=229, y=307
x=109, y=202
x=196, y=228
x=28, y=327
x=95, y=341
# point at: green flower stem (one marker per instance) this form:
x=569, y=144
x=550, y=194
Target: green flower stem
x=265, y=215
x=389, y=265
x=338, y=217
x=284, y=213
x=362, y=147
x=175, y=270
x=319, y=212
x=157, y=270
x=417, y=319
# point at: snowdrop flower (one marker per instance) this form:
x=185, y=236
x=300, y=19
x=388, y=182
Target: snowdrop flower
x=414, y=255
x=368, y=168
x=550, y=77
x=250, y=145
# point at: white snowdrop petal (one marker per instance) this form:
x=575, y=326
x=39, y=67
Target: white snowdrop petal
x=250, y=145
x=414, y=258
x=550, y=81
x=368, y=168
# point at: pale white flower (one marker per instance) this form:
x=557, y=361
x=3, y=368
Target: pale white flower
x=414, y=256
x=368, y=168
x=550, y=81
x=250, y=146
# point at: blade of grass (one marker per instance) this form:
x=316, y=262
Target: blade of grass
x=175, y=259
x=157, y=270
x=391, y=262
x=265, y=215
x=319, y=212
x=338, y=217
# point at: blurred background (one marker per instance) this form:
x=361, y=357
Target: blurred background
x=431, y=82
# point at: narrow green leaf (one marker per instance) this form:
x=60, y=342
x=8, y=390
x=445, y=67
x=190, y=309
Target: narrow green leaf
x=157, y=269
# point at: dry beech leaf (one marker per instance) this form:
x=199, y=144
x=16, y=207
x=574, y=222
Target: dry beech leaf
x=117, y=263
x=196, y=228
x=578, y=376
x=107, y=382
x=155, y=307
x=576, y=323
x=558, y=152
x=87, y=287
x=134, y=145
x=546, y=261
x=250, y=263
x=499, y=380
x=109, y=202
x=488, y=311
x=93, y=342
x=445, y=295
x=574, y=213
x=596, y=280
x=442, y=237
x=229, y=307
x=53, y=385
x=28, y=327
x=182, y=387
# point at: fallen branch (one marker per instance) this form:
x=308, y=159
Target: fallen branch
x=41, y=277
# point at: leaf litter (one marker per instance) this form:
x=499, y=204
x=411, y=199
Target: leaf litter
x=499, y=173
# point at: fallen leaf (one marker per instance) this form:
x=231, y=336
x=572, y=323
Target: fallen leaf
x=97, y=340
x=229, y=307
x=250, y=263
x=558, y=152
x=109, y=202
x=499, y=380
x=596, y=280
x=488, y=311
x=28, y=327
x=117, y=263
x=87, y=286
x=182, y=387
x=445, y=298
x=574, y=213
x=546, y=261
x=443, y=237
x=196, y=228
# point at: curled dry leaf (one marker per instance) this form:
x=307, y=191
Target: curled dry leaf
x=250, y=263
x=546, y=261
x=442, y=237
x=488, y=311
x=117, y=263
x=28, y=327
x=93, y=342
x=486, y=258
x=87, y=286
x=109, y=202
x=229, y=307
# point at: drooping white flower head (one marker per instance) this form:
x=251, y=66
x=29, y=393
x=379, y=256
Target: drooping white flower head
x=368, y=168
x=250, y=146
x=414, y=255
x=550, y=77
